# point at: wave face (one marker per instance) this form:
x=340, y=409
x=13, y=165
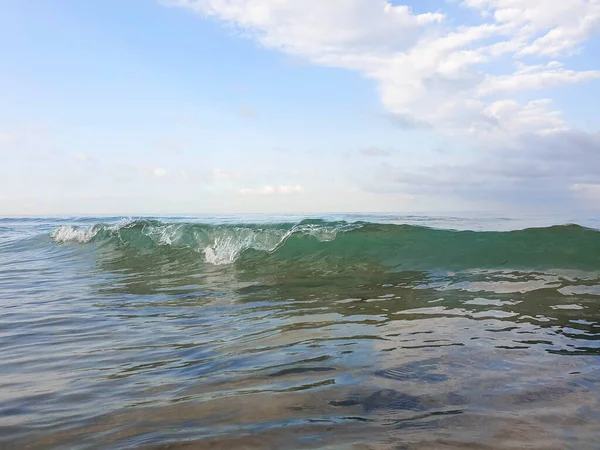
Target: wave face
x=339, y=244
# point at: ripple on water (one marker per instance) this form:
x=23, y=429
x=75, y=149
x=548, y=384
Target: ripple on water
x=120, y=347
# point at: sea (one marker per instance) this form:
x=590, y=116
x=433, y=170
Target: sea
x=337, y=331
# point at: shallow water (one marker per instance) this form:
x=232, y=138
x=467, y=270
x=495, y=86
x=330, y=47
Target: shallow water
x=344, y=333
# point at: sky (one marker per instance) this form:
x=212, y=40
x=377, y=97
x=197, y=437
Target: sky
x=237, y=106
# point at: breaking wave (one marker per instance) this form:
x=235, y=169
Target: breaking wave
x=340, y=243
x=220, y=244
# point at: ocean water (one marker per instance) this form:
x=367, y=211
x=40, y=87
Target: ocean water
x=292, y=332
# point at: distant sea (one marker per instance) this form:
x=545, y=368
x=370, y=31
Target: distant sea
x=356, y=331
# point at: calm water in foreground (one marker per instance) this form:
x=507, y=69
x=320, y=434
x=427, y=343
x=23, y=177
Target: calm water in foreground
x=348, y=332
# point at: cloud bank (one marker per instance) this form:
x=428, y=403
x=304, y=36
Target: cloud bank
x=430, y=70
x=465, y=79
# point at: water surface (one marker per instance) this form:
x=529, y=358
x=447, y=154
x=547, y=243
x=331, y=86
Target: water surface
x=361, y=331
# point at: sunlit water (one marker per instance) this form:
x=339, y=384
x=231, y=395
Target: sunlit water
x=109, y=343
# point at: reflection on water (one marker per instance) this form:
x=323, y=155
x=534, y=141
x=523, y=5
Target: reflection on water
x=110, y=347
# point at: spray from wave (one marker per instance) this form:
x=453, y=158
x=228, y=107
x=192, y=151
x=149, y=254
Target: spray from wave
x=67, y=233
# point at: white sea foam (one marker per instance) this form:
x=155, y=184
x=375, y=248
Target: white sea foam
x=223, y=251
x=324, y=233
x=83, y=235
x=226, y=248
x=67, y=233
x=164, y=234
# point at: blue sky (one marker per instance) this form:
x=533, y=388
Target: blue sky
x=199, y=106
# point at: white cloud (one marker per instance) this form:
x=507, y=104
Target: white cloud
x=290, y=189
x=81, y=156
x=159, y=172
x=535, y=77
x=317, y=28
x=430, y=72
x=273, y=190
x=509, y=120
x=546, y=28
x=220, y=175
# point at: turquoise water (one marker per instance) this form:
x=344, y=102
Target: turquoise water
x=340, y=331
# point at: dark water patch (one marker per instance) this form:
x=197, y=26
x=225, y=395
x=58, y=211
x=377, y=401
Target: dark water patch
x=300, y=370
x=424, y=371
x=382, y=399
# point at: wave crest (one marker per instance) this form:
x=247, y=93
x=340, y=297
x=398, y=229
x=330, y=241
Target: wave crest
x=335, y=245
x=84, y=235
x=220, y=244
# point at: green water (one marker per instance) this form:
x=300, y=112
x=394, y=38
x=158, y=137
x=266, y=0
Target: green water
x=339, y=332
